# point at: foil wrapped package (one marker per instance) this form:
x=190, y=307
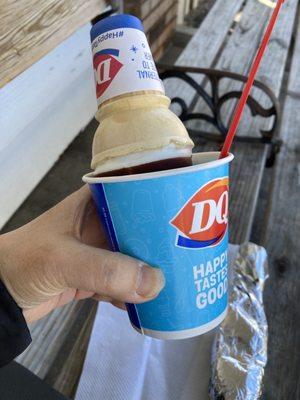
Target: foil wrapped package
x=240, y=348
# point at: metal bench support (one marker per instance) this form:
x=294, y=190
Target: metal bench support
x=215, y=103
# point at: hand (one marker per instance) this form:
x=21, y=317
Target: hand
x=63, y=255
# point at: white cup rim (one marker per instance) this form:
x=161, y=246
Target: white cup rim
x=213, y=163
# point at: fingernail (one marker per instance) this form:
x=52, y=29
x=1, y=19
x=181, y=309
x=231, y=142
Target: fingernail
x=150, y=282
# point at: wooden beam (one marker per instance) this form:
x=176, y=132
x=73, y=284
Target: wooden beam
x=31, y=28
x=155, y=14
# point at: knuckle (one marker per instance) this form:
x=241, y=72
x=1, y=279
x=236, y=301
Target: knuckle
x=118, y=278
x=52, y=261
x=108, y=279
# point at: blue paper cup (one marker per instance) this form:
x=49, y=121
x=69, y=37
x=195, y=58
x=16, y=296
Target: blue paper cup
x=176, y=220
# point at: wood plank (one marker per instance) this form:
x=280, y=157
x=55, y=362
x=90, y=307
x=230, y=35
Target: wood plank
x=162, y=29
x=60, y=71
x=205, y=45
x=281, y=238
x=246, y=176
x=237, y=56
x=294, y=81
x=272, y=68
x=48, y=119
x=59, y=345
x=47, y=335
x=30, y=29
x=156, y=13
x=180, y=17
x=65, y=371
x=163, y=38
x=145, y=7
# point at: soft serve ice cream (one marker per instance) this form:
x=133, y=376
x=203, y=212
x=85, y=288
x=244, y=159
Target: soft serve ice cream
x=137, y=131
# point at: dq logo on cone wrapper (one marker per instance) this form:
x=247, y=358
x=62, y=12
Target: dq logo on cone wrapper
x=202, y=221
x=106, y=67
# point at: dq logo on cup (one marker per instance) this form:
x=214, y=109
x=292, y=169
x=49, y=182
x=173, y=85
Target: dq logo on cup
x=106, y=68
x=202, y=221
x=176, y=220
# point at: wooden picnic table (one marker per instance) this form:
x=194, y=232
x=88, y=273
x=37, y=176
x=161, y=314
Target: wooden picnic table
x=264, y=202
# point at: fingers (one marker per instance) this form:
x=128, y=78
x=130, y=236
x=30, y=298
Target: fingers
x=109, y=274
x=84, y=222
x=75, y=216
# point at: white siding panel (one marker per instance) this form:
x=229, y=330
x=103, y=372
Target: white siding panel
x=41, y=111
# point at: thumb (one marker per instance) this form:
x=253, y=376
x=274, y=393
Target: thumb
x=109, y=274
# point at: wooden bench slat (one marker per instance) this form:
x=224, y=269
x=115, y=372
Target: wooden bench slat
x=237, y=56
x=272, y=68
x=282, y=243
x=281, y=238
x=294, y=81
x=205, y=45
x=30, y=30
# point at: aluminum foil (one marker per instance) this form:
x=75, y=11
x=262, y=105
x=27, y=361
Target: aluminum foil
x=240, y=348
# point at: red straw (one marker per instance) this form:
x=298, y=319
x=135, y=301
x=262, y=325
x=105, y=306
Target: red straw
x=243, y=100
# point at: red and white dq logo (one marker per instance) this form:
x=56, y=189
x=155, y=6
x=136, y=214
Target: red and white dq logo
x=202, y=221
x=106, y=68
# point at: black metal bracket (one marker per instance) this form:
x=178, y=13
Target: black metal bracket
x=215, y=103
